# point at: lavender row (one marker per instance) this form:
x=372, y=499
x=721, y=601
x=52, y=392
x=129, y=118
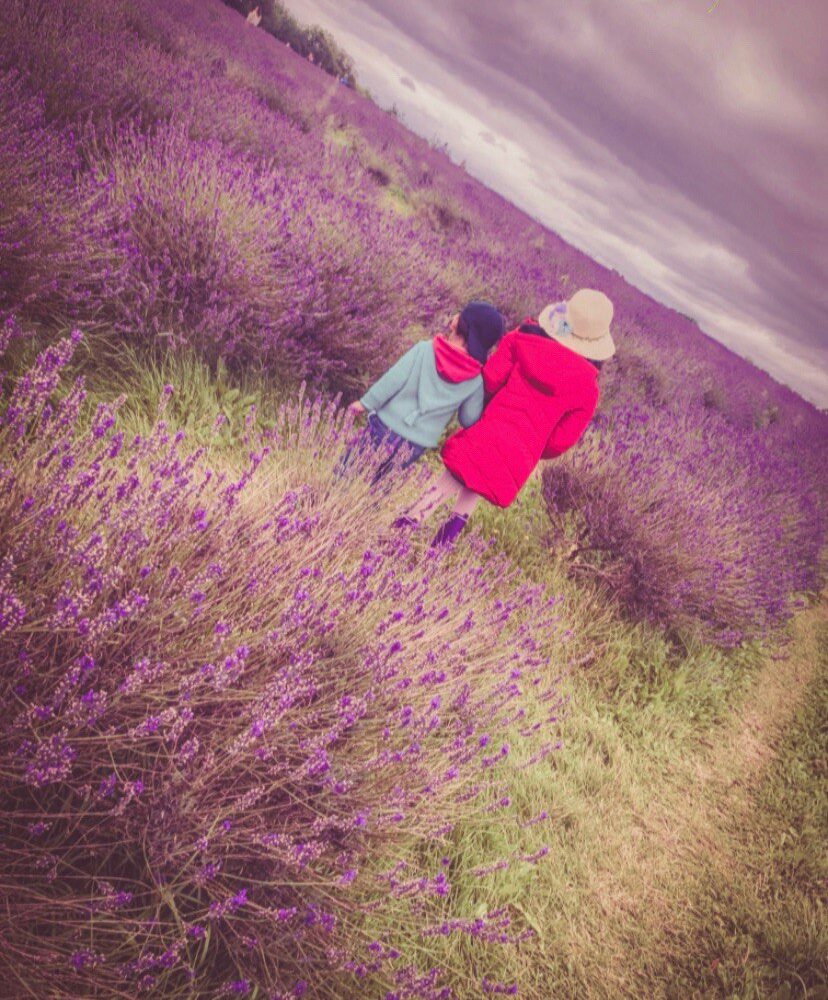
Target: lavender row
x=688, y=527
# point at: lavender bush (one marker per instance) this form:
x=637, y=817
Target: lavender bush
x=688, y=527
x=197, y=246
x=228, y=699
x=209, y=242
x=94, y=65
x=187, y=248
x=37, y=208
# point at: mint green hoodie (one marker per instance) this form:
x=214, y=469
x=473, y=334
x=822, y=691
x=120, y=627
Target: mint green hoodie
x=418, y=395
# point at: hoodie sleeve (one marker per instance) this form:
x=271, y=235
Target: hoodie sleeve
x=499, y=366
x=471, y=409
x=567, y=432
x=391, y=382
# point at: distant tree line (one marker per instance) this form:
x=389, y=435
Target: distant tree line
x=309, y=41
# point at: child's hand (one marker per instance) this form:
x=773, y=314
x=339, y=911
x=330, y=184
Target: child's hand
x=356, y=408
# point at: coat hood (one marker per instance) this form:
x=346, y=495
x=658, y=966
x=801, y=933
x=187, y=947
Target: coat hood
x=545, y=362
x=453, y=364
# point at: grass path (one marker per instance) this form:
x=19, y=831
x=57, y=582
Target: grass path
x=727, y=898
x=773, y=698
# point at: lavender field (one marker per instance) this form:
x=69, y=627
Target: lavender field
x=257, y=743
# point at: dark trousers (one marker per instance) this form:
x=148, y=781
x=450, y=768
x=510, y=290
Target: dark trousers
x=397, y=451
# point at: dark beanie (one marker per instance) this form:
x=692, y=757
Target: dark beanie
x=484, y=327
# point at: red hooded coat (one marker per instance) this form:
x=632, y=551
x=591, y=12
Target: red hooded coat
x=543, y=397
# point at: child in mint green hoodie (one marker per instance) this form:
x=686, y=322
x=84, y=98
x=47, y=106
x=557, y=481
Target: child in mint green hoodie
x=409, y=406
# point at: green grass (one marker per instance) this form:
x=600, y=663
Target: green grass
x=758, y=925
x=396, y=198
x=200, y=397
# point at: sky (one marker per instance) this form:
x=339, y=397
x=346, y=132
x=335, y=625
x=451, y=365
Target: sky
x=682, y=142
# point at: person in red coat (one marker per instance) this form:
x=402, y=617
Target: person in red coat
x=543, y=384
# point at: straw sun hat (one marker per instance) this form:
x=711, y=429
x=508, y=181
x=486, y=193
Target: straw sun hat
x=588, y=314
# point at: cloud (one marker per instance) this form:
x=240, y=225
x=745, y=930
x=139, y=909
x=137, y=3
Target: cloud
x=491, y=139
x=685, y=149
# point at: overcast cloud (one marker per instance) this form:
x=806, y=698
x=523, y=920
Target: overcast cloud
x=687, y=149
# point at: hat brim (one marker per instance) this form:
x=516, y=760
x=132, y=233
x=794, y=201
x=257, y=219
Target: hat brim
x=599, y=349
x=546, y=318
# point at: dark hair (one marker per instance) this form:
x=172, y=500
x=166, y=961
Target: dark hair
x=481, y=326
x=535, y=329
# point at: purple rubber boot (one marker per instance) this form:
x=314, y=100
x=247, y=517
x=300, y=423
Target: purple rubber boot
x=448, y=532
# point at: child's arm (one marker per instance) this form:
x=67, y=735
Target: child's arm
x=391, y=382
x=499, y=366
x=471, y=409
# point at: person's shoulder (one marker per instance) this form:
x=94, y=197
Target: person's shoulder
x=417, y=348
x=506, y=342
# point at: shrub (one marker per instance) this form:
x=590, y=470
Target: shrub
x=38, y=205
x=195, y=245
x=367, y=276
x=146, y=70
x=442, y=214
x=52, y=45
x=633, y=375
x=188, y=248
x=228, y=699
x=689, y=522
x=306, y=40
